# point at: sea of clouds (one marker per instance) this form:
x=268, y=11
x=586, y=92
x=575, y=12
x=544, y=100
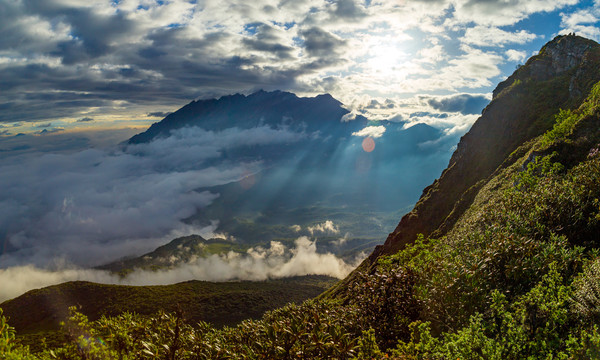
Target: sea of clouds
x=63, y=212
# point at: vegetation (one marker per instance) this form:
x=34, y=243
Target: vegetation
x=516, y=277
x=37, y=314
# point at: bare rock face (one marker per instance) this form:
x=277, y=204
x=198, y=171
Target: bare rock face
x=557, y=57
x=522, y=108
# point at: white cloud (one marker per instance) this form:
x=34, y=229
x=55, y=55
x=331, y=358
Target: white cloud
x=94, y=205
x=502, y=13
x=328, y=227
x=515, y=55
x=371, y=131
x=494, y=36
x=583, y=23
x=257, y=264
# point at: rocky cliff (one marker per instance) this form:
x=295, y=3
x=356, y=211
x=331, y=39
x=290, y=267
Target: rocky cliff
x=522, y=108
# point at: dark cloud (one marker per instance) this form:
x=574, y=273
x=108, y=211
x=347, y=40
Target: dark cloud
x=374, y=104
x=91, y=32
x=47, y=125
x=279, y=50
x=108, y=56
x=321, y=43
x=85, y=119
x=51, y=131
x=348, y=9
x=463, y=103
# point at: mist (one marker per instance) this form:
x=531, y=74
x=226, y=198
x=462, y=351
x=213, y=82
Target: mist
x=94, y=205
x=258, y=263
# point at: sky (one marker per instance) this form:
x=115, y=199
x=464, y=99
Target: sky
x=68, y=65
x=79, y=77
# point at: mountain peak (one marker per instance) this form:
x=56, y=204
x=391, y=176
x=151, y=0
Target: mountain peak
x=261, y=107
x=557, y=57
x=564, y=52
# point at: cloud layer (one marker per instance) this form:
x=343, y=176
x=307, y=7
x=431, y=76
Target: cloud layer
x=87, y=206
x=257, y=263
x=114, y=60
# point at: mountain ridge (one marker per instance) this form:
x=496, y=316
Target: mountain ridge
x=564, y=64
x=261, y=107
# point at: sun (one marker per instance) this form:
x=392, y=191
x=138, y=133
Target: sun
x=385, y=58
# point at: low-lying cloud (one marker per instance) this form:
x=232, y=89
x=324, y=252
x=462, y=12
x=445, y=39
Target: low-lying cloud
x=257, y=263
x=371, y=131
x=92, y=206
x=328, y=227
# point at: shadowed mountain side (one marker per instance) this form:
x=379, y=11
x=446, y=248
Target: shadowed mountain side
x=522, y=108
x=260, y=108
x=221, y=304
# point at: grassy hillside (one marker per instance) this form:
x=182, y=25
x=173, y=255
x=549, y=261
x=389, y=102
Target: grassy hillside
x=220, y=304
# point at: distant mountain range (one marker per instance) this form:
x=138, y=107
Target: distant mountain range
x=322, y=166
x=274, y=108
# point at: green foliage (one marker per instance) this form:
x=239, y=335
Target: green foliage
x=536, y=325
x=540, y=168
x=586, y=297
x=565, y=122
x=386, y=303
x=9, y=349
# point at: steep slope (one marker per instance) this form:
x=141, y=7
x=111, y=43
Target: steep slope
x=559, y=77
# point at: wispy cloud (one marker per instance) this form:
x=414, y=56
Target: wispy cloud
x=371, y=131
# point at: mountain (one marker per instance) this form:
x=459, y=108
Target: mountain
x=176, y=252
x=221, y=304
x=242, y=111
x=522, y=108
x=319, y=172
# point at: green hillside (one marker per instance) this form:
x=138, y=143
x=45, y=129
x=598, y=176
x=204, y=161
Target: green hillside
x=39, y=312
x=508, y=269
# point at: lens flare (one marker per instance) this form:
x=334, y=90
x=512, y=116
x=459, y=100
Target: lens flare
x=368, y=144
